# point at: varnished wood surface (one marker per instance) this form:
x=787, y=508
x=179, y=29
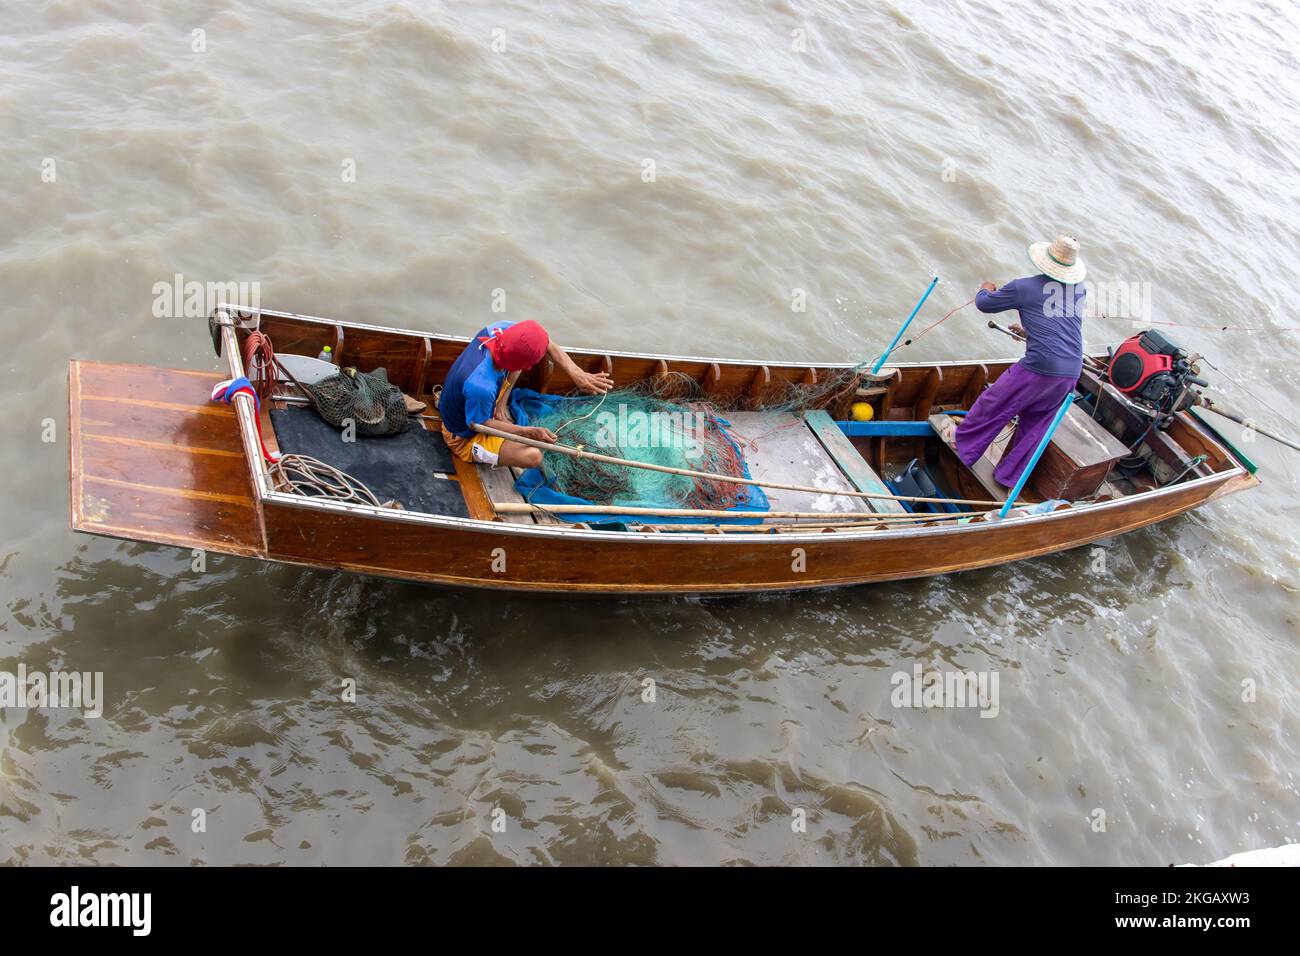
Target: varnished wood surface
x=417, y=361
x=1081, y=454
x=499, y=485
x=152, y=459
x=614, y=563
x=477, y=501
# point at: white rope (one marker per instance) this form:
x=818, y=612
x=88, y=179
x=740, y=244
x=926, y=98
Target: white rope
x=574, y=421
x=313, y=478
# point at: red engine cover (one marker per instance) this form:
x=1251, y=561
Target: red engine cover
x=1132, y=365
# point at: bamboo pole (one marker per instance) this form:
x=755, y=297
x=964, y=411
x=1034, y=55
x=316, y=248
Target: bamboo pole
x=299, y=400
x=1088, y=360
x=520, y=507
x=610, y=459
x=805, y=526
x=1209, y=406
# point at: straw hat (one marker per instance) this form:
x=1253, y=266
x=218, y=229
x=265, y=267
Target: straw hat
x=1059, y=259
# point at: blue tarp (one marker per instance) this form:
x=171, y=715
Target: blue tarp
x=527, y=405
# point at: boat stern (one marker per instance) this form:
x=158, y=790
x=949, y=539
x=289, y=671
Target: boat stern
x=151, y=458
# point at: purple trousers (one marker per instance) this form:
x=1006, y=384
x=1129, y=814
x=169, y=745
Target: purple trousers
x=1018, y=391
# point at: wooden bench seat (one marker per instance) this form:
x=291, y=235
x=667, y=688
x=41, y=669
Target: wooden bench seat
x=1073, y=466
x=499, y=485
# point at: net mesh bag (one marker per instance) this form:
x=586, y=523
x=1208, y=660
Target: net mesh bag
x=367, y=398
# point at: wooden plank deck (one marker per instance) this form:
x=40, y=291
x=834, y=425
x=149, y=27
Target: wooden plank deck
x=780, y=447
x=151, y=458
x=499, y=483
x=853, y=465
x=539, y=518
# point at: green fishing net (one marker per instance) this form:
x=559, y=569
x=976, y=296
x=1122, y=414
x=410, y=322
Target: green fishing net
x=366, y=398
x=679, y=429
x=637, y=426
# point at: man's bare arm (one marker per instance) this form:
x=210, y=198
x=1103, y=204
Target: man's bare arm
x=590, y=382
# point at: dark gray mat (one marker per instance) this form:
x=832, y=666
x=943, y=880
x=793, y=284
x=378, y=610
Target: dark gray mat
x=395, y=466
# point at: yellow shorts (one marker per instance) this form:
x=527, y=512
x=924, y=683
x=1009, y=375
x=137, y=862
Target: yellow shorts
x=481, y=448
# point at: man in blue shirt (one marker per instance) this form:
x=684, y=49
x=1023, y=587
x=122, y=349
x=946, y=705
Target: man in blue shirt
x=1051, y=320
x=477, y=392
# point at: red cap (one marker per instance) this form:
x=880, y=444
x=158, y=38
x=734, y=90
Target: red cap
x=517, y=347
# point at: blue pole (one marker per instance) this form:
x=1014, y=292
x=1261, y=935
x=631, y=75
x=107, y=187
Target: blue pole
x=881, y=361
x=1038, y=453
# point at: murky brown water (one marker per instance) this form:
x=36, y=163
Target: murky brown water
x=905, y=137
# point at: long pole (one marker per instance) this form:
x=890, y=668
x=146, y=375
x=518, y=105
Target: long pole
x=885, y=354
x=1087, y=360
x=1038, y=453
x=299, y=400
x=609, y=459
x=1209, y=406
x=815, y=518
x=767, y=529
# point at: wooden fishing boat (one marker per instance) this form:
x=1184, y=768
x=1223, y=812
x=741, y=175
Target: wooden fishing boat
x=153, y=459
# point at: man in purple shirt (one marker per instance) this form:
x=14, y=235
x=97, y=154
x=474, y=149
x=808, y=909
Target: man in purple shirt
x=1051, y=320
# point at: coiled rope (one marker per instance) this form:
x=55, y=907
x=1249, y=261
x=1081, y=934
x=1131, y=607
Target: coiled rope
x=259, y=364
x=313, y=478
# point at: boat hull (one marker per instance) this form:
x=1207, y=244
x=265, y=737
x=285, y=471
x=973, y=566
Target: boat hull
x=594, y=562
x=152, y=459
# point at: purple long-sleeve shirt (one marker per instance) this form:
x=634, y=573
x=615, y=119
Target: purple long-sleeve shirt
x=1051, y=313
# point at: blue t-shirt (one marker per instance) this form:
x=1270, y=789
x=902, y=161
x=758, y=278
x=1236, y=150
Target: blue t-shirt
x=469, y=394
x=1051, y=313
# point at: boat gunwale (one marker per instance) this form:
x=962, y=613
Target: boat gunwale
x=465, y=340
x=266, y=494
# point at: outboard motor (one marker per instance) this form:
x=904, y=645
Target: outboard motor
x=1150, y=369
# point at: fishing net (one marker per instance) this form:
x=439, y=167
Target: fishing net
x=827, y=391
x=639, y=426
x=367, y=398
x=668, y=422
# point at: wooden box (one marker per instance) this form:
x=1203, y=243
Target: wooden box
x=1077, y=461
